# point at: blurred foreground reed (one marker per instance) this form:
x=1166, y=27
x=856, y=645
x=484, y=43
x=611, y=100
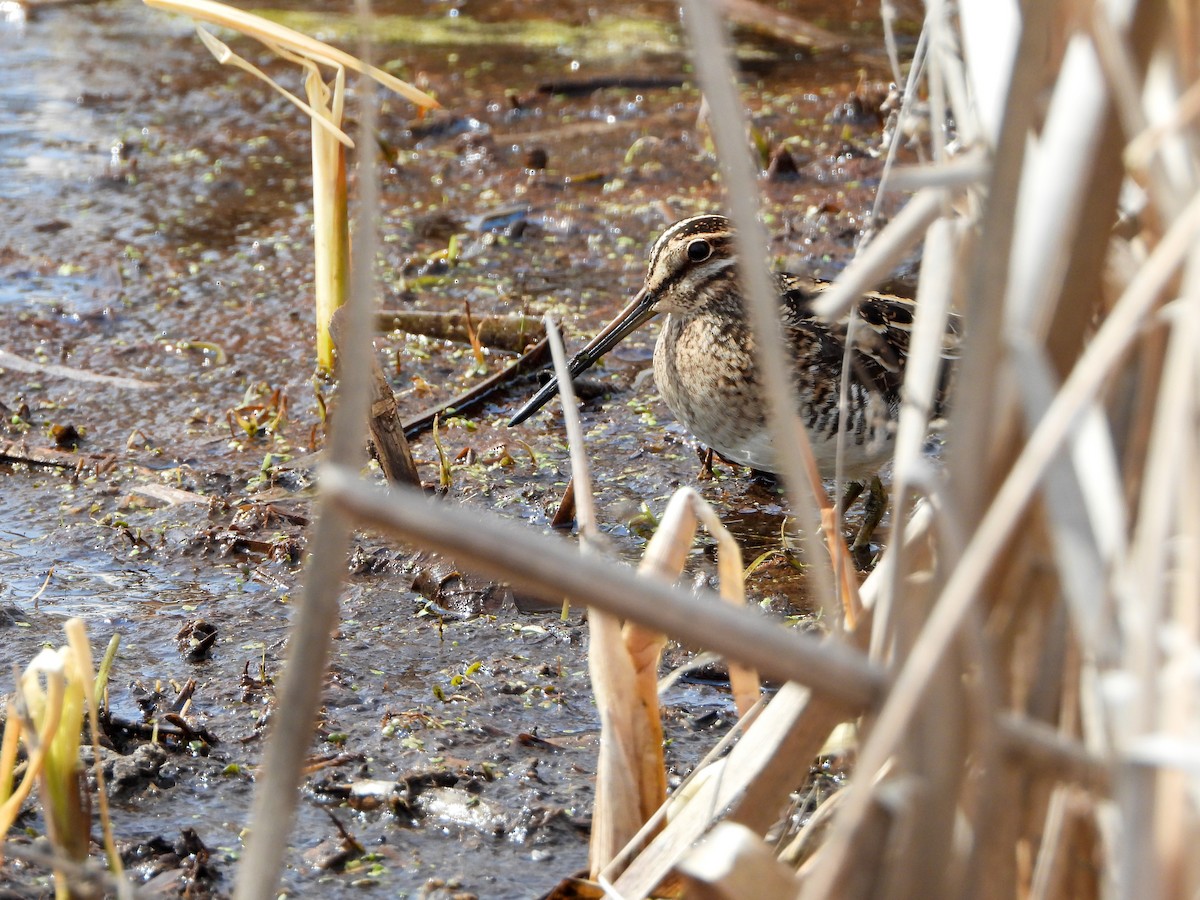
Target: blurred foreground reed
x=1022, y=662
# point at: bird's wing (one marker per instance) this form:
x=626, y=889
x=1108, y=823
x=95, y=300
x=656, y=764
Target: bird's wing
x=882, y=335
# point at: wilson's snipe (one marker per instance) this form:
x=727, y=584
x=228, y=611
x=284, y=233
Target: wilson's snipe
x=705, y=360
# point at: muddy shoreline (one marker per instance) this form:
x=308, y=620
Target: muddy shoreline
x=157, y=230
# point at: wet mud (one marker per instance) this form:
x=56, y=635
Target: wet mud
x=157, y=234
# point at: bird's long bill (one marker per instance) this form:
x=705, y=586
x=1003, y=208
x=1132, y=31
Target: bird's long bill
x=637, y=311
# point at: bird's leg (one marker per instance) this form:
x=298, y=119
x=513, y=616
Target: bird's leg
x=706, y=462
x=873, y=509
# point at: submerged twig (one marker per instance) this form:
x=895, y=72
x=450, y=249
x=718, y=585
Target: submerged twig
x=533, y=359
x=12, y=361
x=504, y=332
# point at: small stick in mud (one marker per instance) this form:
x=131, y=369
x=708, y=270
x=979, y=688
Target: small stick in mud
x=387, y=429
x=462, y=403
x=513, y=332
x=564, y=516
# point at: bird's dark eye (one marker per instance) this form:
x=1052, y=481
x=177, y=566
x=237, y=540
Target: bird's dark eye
x=699, y=250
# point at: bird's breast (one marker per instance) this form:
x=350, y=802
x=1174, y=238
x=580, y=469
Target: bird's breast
x=707, y=373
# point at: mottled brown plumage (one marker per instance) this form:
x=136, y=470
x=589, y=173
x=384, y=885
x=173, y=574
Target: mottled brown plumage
x=705, y=361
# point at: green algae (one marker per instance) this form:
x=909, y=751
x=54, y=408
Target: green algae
x=605, y=37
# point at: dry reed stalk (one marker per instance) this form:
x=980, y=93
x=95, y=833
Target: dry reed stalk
x=1039, y=732
x=544, y=568
x=743, y=680
x=936, y=705
x=710, y=47
x=630, y=774
x=683, y=793
x=325, y=109
x=766, y=764
x=752, y=785
x=1066, y=616
x=882, y=255
x=277, y=785
x=664, y=559
x=623, y=660
x=734, y=862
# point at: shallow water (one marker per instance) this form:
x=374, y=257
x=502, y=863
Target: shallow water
x=157, y=227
